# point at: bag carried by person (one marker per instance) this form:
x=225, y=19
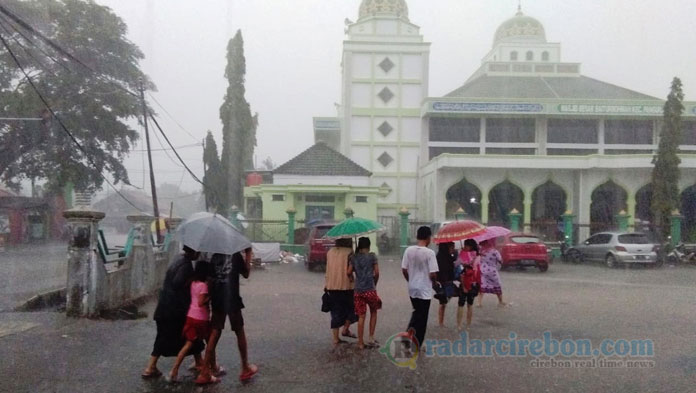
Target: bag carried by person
x=325, y=301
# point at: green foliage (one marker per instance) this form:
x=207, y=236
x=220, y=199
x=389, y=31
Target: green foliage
x=239, y=125
x=214, y=179
x=97, y=112
x=665, y=175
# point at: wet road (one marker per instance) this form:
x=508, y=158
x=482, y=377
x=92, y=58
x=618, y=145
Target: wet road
x=290, y=339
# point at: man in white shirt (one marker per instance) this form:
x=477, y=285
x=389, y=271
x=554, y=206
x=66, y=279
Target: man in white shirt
x=419, y=267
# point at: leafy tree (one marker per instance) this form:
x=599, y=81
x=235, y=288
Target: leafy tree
x=93, y=100
x=239, y=125
x=665, y=175
x=268, y=164
x=215, y=181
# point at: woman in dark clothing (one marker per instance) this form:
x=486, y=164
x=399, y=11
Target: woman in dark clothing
x=445, y=262
x=170, y=314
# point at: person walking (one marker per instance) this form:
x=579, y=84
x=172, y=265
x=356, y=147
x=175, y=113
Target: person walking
x=197, y=327
x=470, y=283
x=364, y=265
x=419, y=268
x=490, y=278
x=340, y=289
x=227, y=304
x=170, y=314
x=446, y=256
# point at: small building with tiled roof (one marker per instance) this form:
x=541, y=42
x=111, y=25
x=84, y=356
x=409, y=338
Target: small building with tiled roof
x=318, y=184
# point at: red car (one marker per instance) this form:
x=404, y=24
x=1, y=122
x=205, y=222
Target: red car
x=523, y=250
x=317, y=247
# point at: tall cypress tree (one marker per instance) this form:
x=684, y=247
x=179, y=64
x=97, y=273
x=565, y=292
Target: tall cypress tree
x=239, y=126
x=215, y=185
x=665, y=175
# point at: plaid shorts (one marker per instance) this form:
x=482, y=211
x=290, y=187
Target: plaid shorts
x=365, y=299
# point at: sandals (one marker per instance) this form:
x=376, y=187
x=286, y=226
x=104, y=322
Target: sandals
x=349, y=334
x=219, y=372
x=151, y=375
x=247, y=375
x=207, y=381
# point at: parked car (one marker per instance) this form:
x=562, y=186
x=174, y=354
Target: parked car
x=317, y=247
x=615, y=248
x=524, y=250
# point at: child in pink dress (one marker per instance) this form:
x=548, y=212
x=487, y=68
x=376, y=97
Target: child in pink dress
x=197, y=325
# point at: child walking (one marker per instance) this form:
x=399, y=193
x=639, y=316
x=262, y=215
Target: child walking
x=470, y=278
x=364, y=265
x=197, y=327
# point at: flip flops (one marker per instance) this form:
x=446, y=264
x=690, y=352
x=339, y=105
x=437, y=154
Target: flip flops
x=349, y=334
x=247, y=375
x=207, y=381
x=151, y=375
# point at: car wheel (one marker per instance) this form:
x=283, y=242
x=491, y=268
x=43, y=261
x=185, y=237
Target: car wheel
x=575, y=256
x=543, y=268
x=611, y=261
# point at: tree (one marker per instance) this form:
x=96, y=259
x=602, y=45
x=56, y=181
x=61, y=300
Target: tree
x=239, y=126
x=665, y=175
x=268, y=164
x=92, y=100
x=214, y=179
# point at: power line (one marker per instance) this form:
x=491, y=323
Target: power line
x=164, y=149
x=9, y=33
x=193, y=175
x=53, y=113
x=171, y=117
x=59, y=49
x=30, y=41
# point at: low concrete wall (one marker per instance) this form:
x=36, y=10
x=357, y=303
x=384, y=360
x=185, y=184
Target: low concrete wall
x=94, y=287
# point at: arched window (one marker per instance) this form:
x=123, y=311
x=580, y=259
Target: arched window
x=513, y=56
x=530, y=56
x=545, y=56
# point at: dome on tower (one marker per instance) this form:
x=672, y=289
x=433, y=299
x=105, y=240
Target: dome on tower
x=393, y=7
x=520, y=28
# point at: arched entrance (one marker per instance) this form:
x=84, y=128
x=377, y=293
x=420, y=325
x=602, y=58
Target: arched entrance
x=464, y=195
x=644, y=215
x=504, y=198
x=607, y=201
x=688, y=210
x=549, y=202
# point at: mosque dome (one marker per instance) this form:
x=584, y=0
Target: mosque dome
x=520, y=28
x=394, y=7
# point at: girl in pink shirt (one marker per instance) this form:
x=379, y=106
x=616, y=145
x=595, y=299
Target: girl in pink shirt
x=197, y=325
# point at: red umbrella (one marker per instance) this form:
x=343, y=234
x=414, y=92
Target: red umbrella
x=459, y=230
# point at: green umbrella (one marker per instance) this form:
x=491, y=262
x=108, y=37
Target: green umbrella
x=354, y=227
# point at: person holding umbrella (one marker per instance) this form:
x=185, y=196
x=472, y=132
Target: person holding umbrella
x=170, y=314
x=490, y=278
x=470, y=283
x=214, y=234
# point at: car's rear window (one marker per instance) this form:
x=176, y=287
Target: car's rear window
x=633, y=239
x=525, y=239
x=321, y=231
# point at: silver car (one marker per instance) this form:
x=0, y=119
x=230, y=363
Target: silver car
x=614, y=248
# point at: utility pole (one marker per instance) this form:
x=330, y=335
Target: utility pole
x=149, y=159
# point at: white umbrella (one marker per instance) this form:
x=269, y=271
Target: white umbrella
x=211, y=233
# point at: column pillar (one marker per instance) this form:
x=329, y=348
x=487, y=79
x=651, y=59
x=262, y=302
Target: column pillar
x=460, y=214
x=514, y=217
x=568, y=218
x=83, y=263
x=485, y=202
x=631, y=206
x=527, y=213
x=600, y=136
x=676, y=227
x=172, y=225
x=291, y=224
x=622, y=220
x=234, y=217
x=482, y=136
x=404, y=213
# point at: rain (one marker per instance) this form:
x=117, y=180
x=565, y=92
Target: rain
x=347, y=195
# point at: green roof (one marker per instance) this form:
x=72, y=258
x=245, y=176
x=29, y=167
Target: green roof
x=321, y=160
x=538, y=87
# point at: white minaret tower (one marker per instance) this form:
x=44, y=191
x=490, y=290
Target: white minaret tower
x=385, y=79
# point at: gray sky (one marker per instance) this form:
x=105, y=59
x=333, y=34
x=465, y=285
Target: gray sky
x=293, y=52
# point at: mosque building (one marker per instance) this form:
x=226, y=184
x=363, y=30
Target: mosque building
x=527, y=131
